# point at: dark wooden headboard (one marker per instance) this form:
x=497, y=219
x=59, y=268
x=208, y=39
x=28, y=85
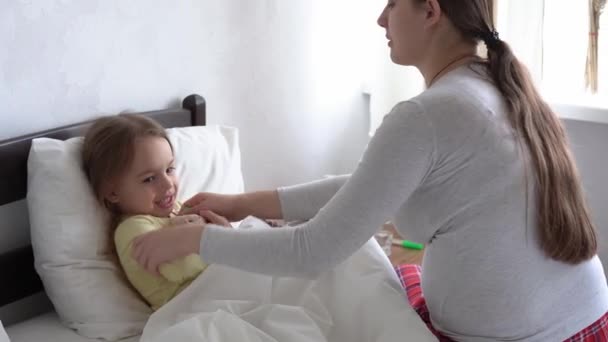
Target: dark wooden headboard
x=18, y=264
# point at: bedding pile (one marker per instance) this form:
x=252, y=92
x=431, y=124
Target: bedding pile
x=360, y=300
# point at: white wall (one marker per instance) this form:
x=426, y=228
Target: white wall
x=285, y=72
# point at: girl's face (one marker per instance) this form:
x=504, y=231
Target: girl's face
x=404, y=22
x=149, y=186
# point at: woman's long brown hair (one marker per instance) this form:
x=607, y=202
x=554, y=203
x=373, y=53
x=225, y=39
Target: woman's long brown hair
x=565, y=230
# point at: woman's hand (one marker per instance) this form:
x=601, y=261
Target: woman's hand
x=167, y=244
x=221, y=204
x=180, y=239
x=211, y=217
x=261, y=204
x=201, y=217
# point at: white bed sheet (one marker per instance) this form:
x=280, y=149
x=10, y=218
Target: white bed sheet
x=359, y=300
x=48, y=328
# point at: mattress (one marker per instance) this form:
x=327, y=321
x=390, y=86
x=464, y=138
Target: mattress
x=48, y=328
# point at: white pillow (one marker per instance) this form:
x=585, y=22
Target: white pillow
x=70, y=235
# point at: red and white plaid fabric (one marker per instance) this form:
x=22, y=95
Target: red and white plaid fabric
x=596, y=332
x=409, y=275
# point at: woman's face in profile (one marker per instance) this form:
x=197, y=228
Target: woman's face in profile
x=404, y=22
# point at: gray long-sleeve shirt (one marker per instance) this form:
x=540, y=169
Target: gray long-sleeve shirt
x=445, y=167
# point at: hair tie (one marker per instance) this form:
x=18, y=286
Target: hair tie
x=490, y=38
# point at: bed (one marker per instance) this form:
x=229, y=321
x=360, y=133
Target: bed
x=48, y=328
x=20, y=262
x=360, y=299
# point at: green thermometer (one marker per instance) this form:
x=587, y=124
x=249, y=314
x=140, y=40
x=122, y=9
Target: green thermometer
x=408, y=244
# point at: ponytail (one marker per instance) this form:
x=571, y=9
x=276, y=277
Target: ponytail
x=565, y=230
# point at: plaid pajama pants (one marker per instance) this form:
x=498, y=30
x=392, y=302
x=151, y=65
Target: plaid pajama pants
x=409, y=275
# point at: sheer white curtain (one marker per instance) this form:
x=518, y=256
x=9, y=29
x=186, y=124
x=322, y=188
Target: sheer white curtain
x=565, y=46
x=520, y=23
x=385, y=82
x=550, y=37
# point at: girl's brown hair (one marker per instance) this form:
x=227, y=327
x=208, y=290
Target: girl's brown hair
x=108, y=150
x=565, y=230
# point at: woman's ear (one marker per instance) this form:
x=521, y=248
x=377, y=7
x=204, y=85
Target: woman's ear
x=433, y=12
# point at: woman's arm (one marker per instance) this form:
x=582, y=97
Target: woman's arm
x=235, y=207
x=397, y=160
x=174, y=271
x=395, y=163
x=303, y=201
x=262, y=204
x=298, y=202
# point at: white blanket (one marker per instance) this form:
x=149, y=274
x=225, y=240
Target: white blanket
x=360, y=300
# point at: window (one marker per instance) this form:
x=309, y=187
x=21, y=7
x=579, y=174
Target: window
x=551, y=37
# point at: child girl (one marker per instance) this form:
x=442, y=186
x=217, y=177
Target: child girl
x=129, y=162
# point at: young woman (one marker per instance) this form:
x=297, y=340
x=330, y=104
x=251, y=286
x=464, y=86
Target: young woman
x=477, y=167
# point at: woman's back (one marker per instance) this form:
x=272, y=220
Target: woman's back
x=484, y=273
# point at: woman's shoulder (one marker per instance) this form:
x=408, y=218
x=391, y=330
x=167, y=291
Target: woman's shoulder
x=466, y=85
x=464, y=96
